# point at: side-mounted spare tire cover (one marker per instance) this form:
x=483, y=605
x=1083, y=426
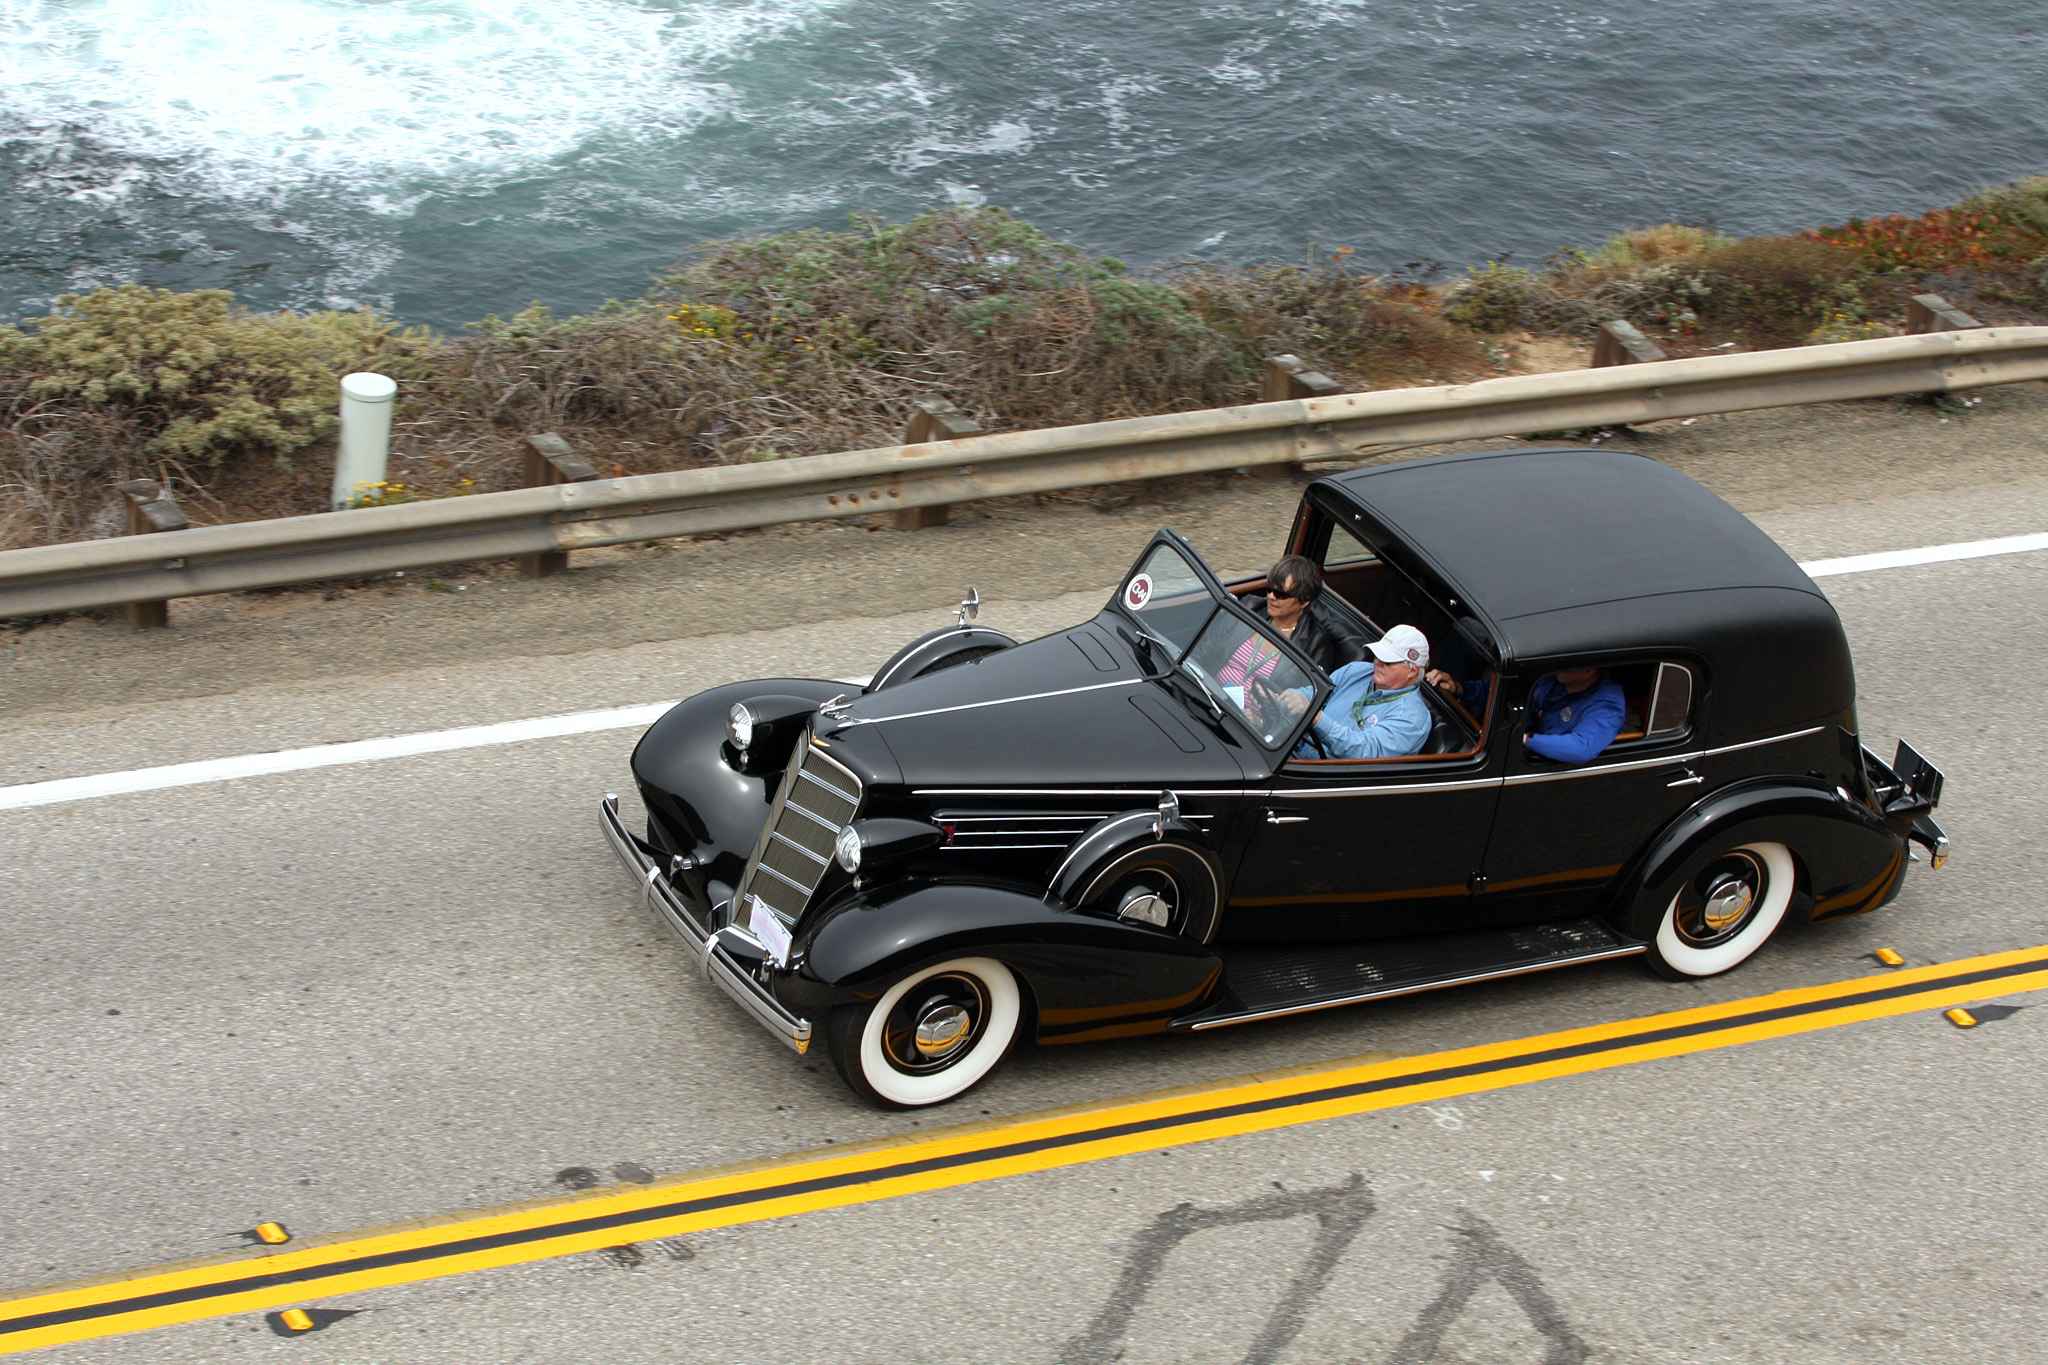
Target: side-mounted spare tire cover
x=942, y=649
x=1146, y=867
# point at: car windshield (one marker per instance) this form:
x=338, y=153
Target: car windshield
x=1252, y=677
x=1168, y=597
x=1238, y=668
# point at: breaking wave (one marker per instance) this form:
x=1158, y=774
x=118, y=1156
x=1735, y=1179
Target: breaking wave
x=258, y=98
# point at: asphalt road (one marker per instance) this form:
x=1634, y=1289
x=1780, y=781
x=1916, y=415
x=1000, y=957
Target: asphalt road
x=356, y=995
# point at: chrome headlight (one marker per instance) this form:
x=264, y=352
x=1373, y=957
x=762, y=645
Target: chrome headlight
x=739, y=726
x=846, y=849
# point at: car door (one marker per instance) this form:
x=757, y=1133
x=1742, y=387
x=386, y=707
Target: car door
x=1362, y=849
x=1563, y=832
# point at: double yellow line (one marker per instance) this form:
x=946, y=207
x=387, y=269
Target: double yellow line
x=959, y=1156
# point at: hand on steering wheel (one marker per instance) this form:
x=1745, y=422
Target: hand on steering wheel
x=1258, y=697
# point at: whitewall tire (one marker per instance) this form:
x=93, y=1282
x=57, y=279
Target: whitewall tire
x=930, y=1037
x=1725, y=912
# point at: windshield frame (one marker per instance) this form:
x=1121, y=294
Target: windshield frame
x=1221, y=600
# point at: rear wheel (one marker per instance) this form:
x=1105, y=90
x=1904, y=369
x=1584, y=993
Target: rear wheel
x=931, y=1036
x=1724, y=912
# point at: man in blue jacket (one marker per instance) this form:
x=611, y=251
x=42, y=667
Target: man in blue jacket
x=1376, y=709
x=1574, y=713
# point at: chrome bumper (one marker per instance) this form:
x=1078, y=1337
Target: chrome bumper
x=720, y=967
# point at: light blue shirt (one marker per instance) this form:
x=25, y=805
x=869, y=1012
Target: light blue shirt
x=1361, y=722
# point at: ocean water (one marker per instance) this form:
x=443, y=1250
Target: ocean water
x=444, y=159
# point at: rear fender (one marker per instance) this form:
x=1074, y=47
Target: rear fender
x=1088, y=977
x=1848, y=860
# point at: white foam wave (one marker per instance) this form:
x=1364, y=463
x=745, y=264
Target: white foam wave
x=264, y=96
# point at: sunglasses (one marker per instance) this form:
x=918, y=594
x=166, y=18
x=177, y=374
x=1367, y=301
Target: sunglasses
x=1289, y=593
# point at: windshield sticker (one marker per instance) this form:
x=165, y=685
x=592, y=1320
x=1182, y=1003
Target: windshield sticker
x=1138, y=591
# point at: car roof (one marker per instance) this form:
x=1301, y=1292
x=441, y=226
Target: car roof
x=1524, y=533
x=1576, y=552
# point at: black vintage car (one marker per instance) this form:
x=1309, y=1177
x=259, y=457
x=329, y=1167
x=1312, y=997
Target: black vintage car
x=1090, y=836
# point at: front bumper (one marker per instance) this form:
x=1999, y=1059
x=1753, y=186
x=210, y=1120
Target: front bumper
x=723, y=970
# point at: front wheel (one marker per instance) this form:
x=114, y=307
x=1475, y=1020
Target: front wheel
x=929, y=1037
x=1723, y=913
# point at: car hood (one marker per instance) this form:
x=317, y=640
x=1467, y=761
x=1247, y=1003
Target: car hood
x=1069, y=710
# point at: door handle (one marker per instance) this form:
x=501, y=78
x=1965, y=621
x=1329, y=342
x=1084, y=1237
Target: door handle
x=1687, y=778
x=1276, y=817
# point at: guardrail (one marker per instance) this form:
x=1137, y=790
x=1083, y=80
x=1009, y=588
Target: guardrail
x=570, y=516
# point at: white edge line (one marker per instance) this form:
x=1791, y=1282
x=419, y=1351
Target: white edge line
x=323, y=756
x=1932, y=554
x=330, y=755
x=547, y=727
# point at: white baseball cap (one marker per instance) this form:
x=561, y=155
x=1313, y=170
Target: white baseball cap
x=1402, y=645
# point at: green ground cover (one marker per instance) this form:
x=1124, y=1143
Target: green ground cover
x=816, y=341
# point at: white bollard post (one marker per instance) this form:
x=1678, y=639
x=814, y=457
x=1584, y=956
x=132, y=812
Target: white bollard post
x=366, y=401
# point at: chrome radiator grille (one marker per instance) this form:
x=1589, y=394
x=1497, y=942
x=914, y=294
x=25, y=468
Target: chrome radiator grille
x=818, y=798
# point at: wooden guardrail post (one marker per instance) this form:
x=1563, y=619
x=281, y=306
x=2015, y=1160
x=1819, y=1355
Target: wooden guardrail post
x=1289, y=376
x=549, y=460
x=1619, y=343
x=1933, y=313
x=1285, y=377
x=935, y=420
x=151, y=508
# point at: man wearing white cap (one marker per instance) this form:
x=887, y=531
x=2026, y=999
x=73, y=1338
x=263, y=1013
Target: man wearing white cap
x=1377, y=710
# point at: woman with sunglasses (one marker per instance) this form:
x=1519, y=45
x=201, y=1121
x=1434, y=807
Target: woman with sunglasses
x=1292, y=586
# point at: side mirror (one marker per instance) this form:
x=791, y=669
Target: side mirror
x=970, y=607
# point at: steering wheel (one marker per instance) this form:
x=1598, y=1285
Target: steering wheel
x=1262, y=695
x=1261, y=699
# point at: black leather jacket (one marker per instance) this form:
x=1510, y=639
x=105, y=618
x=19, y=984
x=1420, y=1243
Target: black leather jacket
x=1325, y=637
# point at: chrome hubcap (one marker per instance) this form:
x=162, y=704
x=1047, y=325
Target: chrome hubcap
x=1728, y=902
x=1147, y=907
x=935, y=1024
x=941, y=1030
x=1721, y=901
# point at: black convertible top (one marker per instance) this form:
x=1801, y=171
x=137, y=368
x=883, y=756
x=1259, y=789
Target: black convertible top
x=1576, y=552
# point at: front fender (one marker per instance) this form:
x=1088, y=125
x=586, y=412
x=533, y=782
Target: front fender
x=696, y=801
x=1850, y=860
x=1088, y=977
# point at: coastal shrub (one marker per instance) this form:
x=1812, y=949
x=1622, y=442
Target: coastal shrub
x=1777, y=289
x=972, y=305
x=814, y=341
x=1494, y=297
x=186, y=388
x=1573, y=298
x=2033, y=283
x=1846, y=327
x=540, y=372
x=1993, y=230
x=2022, y=205
x=1363, y=325
x=1662, y=244
x=194, y=377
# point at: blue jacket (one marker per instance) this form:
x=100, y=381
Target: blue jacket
x=1572, y=727
x=1360, y=722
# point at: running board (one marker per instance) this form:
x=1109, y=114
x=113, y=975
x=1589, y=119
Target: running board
x=1265, y=983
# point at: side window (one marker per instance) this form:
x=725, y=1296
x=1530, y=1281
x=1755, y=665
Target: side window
x=1670, y=707
x=1346, y=551
x=1659, y=699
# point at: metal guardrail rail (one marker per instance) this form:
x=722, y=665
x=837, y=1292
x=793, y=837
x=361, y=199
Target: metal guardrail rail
x=573, y=516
